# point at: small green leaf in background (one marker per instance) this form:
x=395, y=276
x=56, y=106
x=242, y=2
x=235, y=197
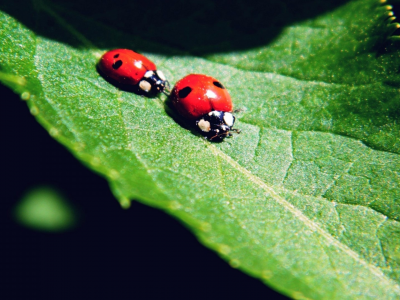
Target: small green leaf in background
x=307, y=197
x=45, y=209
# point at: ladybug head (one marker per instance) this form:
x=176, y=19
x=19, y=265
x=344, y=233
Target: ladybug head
x=217, y=125
x=154, y=82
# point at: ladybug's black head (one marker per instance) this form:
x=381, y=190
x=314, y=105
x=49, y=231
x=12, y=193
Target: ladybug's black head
x=154, y=82
x=217, y=125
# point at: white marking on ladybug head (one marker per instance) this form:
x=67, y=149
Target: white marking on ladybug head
x=138, y=64
x=204, y=125
x=161, y=75
x=211, y=94
x=148, y=74
x=225, y=128
x=228, y=119
x=215, y=113
x=145, y=86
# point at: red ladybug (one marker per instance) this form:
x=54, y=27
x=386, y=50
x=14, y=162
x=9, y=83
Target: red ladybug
x=205, y=100
x=127, y=67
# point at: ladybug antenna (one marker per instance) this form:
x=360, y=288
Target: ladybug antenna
x=236, y=130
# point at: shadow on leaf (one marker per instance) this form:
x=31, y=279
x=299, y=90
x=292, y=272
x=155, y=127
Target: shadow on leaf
x=200, y=28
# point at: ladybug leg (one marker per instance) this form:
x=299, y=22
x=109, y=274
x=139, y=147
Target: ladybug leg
x=167, y=86
x=236, y=130
x=167, y=89
x=220, y=134
x=214, y=133
x=214, y=136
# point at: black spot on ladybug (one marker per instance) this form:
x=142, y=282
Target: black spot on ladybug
x=116, y=55
x=117, y=64
x=184, y=92
x=218, y=84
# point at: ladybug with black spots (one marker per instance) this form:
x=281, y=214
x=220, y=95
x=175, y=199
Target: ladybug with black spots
x=129, y=68
x=204, y=100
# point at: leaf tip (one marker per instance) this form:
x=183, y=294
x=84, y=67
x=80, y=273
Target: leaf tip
x=53, y=132
x=34, y=111
x=125, y=203
x=25, y=96
x=234, y=263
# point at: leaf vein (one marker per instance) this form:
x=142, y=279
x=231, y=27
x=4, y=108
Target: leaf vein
x=303, y=218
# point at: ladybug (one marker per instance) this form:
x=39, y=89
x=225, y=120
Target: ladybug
x=204, y=100
x=129, y=68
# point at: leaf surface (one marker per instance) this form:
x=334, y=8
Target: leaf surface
x=305, y=199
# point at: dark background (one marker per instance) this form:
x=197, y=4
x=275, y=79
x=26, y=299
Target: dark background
x=139, y=253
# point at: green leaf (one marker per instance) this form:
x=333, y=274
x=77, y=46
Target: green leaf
x=306, y=198
x=45, y=209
